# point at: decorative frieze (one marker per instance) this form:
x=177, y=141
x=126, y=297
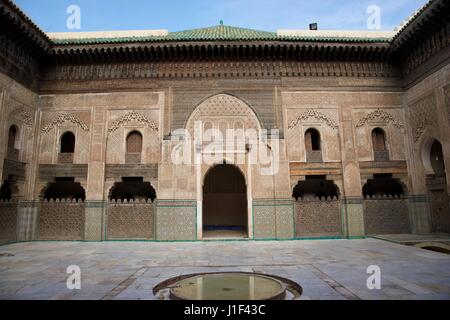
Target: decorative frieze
x=24, y=115
x=310, y=113
x=224, y=109
x=379, y=115
x=133, y=116
x=61, y=118
x=222, y=69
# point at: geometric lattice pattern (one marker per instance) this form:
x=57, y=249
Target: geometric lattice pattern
x=224, y=109
x=273, y=221
x=386, y=216
x=130, y=220
x=8, y=222
x=264, y=222
x=61, y=220
x=176, y=223
x=440, y=213
x=318, y=218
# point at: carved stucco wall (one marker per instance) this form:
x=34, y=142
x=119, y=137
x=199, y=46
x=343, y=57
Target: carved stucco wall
x=300, y=118
x=121, y=123
x=428, y=118
x=17, y=107
x=186, y=100
x=422, y=115
x=391, y=120
x=223, y=111
x=22, y=117
x=54, y=125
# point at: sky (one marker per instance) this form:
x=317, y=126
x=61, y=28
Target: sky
x=177, y=15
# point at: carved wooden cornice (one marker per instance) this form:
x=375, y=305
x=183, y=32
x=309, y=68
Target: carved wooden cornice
x=221, y=69
x=29, y=56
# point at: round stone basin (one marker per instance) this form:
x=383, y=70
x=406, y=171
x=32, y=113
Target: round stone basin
x=228, y=286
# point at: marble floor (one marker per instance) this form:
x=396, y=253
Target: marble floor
x=326, y=269
x=224, y=234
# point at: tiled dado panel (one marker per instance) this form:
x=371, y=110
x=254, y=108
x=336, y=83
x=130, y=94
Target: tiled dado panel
x=386, y=216
x=61, y=220
x=176, y=220
x=273, y=219
x=8, y=221
x=320, y=218
x=130, y=220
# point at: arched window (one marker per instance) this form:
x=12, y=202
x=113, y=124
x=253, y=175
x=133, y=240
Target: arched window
x=67, y=143
x=67, y=148
x=380, y=152
x=312, y=146
x=378, y=139
x=437, y=159
x=312, y=140
x=12, y=136
x=134, y=147
x=134, y=142
x=5, y=191
x=13, y=143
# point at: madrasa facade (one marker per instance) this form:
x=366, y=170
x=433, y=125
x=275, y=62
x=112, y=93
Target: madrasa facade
x=224, y=132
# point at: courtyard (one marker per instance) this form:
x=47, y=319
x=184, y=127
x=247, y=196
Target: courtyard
x=326, y=269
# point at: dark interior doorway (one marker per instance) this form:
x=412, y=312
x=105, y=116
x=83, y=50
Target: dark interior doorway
x=437, y=191
x=225, y=203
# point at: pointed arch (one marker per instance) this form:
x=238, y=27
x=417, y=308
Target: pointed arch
x=13, y=137
x=378, y=139
x=222, y=106
x=67, y=142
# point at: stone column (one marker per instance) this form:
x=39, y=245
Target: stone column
x=417, y=196
x=3, y=132
x=95, y=204
x=199, y=191
x=444, y=128
x=352, y=200
x=28, y=208
x=249, y=197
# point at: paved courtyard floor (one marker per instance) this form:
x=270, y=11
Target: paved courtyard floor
x=326, y=269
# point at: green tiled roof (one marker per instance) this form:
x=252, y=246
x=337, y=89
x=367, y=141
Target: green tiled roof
x=222, y=32
x=215, y=33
